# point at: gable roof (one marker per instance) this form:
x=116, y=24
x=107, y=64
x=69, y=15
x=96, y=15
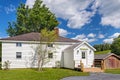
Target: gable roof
x=80, y=43
x=104, y=56
x=35, y=36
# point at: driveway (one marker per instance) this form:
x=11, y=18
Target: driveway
x=95, y=76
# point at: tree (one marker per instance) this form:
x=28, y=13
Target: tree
x=32, y=19
x=42, y=50
x=102, y=47
x=115, y=47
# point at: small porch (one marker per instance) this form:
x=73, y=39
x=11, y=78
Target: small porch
x=91, y=69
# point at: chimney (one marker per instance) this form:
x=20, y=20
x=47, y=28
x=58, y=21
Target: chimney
x=56, y=31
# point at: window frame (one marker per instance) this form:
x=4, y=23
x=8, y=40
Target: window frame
x=50, y=45
x=83, y=56
x=18, y=44
x=50, y=55
x=18, y=55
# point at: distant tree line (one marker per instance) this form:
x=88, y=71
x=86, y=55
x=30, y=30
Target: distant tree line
x=102, y=47
x=114, y=47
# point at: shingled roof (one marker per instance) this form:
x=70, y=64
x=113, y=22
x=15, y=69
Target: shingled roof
x=34, y=36
x=104, y=56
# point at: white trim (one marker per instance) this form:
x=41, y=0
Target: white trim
x=84, y=42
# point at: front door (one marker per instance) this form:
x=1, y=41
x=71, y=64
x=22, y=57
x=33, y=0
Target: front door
x=83, y=57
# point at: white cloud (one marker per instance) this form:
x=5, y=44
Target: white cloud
x=110, y=40
x=77, y=15
x=83, y=37
x=63, y=32
x=115, y=35
x=72, y=10
x=101, y=36
x=30, y=3
x=10, y=8
x=110, y=12
x=91, y=35
x=79, y=37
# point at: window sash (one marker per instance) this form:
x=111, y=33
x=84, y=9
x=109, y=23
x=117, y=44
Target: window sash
x=83, y=54
x=18, y=55
x=18, y=44
x=50, y=55
x=50, y=45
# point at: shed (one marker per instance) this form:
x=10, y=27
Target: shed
x=107, y=61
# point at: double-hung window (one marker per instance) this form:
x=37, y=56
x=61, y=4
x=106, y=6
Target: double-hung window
x=18, y=44
x=18, y=55
x=50, y=55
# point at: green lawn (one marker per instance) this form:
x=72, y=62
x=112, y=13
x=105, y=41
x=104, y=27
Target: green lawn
x=103, y=52
x=30, y=74
x=113, y=71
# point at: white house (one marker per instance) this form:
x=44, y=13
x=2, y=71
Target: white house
x=18, y=50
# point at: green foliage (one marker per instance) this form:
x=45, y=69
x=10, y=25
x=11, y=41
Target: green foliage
x=113, y=71
x=32, y=19
x=115, y=47
x=102, y=47
x=47, y=74
x=103, y=52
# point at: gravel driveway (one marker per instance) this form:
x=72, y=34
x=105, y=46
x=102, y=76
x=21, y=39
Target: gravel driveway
x=95, y=76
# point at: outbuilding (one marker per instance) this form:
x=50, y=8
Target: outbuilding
x=107, y=61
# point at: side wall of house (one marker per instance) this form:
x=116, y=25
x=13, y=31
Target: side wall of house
x=28, y=59
x=89, y=56
x=68, y=59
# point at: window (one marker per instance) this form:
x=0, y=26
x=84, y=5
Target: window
x=77, y=51
x=83, y=54
x=18, y=55
x=18, y=44
x=50, y=45
x=50, y=55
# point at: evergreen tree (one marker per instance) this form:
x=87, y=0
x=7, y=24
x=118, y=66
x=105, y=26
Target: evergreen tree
x=32, y=19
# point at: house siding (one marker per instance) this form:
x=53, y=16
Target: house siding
x=88, y=62
x=9, y=50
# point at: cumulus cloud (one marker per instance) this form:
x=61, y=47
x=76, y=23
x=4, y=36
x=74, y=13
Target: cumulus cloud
x=111, y=38
x=77, y=15
x=30, y=3
x=110, y=12
x=10, y=9
x=91, y=35
x=83, y=37
x=79, y=12
x=63, y=32
x=115, y=35
x=101, y=36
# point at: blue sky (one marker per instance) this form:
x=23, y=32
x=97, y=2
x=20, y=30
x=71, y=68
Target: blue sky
x=94, y=21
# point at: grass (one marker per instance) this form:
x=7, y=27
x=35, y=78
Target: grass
x=31, y=74
x=113, y=71
x=103, y=52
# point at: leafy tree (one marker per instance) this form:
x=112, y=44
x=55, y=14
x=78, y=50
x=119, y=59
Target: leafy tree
x=115, y=47
x=32, y=19
x=102, y=47
x=42, y=50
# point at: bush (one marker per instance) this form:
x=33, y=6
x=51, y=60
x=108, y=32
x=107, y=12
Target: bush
x=6, y=65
